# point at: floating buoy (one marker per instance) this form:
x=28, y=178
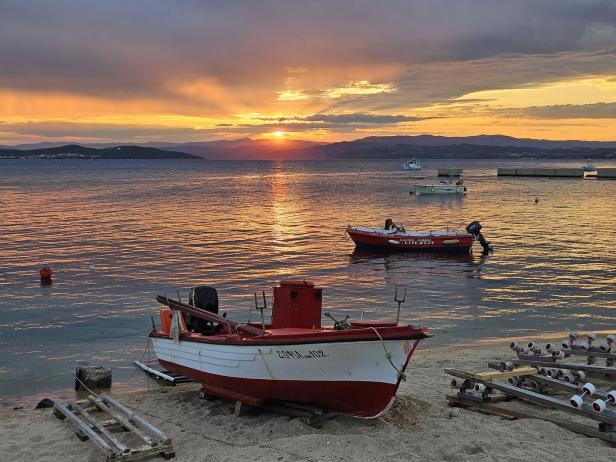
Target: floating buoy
x=91, y=267
x=45, y=273
x=536, y=200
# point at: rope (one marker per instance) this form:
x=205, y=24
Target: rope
x=85, y=386
x=388, y=355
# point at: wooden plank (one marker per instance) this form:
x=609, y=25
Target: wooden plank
x=548, y=401
x=228, y=325
x=100, y=442
x=599, y=370
x=565, y=386
x=499, y=409
x=158, y=374
x=147, y=439
x=119, y=446
x=593, y=352
x=498, y=375
x=136, y=418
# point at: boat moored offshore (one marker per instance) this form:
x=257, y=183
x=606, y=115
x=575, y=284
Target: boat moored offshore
x=412, y=165
x=590, y=171
x=392, y=237
x=443, y=187
x=354, y=367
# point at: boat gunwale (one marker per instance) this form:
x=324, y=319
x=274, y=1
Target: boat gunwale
x=421, y=234
x=302, y=339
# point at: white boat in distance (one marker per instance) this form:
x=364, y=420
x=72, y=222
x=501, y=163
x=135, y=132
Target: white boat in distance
x=412, y=165
x=590, y=171
x=444, y=187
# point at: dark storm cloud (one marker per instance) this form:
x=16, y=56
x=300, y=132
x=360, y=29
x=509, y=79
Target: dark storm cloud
x=135, y=47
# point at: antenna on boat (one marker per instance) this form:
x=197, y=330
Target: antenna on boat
x=261, y=308
x=400, y=301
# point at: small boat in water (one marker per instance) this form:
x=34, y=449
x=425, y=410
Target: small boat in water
x=590, y=171
x=354, y=367
x=396, y=238
x=412, y=165
x=443, y=187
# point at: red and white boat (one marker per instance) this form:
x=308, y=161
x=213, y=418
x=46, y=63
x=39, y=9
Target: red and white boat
x=352, y=368
x=396, y=238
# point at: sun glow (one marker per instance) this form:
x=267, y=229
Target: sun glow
x=278, y=133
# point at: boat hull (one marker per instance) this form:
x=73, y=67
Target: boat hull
x=445, y=242
x=439, y=189
x=352, y=378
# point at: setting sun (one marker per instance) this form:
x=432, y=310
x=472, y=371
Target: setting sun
x=278, y=134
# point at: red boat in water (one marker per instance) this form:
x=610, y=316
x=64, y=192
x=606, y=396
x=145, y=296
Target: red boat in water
x=353, y=367
x=393, y=237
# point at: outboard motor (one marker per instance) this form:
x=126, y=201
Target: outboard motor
x=206, y=298
x=474, y=228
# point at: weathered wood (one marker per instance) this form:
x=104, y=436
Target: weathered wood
x=241, y=409
x=121, y=447
x=136, y=419
x=230, y=326
x=598, y=370
x=500, y=410
x=565, y=386
x=548, y=401
x=593, y=352
x=92, y=377
x=147, y=439
x=170, y=377
x=100, y=442
x=96, y=430
x=498, y=375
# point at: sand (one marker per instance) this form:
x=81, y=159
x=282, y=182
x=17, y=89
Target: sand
x=417, y=428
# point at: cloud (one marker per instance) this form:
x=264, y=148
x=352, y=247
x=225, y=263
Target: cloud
x=291, y=95
x=212, y=59
x=569, y=111
x=359, y=88
x=345, y=119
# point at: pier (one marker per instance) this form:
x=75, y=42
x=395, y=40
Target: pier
x=609, y=173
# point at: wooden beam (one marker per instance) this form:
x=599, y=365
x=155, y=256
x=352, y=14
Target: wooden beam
x=599, y=370
x=229, y=325
x=607, y=417
x=100, y=442
x=500, y=410
x=497, y=375
x=136, y=418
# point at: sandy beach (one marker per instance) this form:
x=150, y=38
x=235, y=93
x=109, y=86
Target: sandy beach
x=417, y=428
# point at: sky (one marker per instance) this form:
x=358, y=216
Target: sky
x=182, y=70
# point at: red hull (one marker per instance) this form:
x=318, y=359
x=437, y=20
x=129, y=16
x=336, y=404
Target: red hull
x=458, y=242
x=361, y=399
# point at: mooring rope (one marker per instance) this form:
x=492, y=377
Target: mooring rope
x=388, y=355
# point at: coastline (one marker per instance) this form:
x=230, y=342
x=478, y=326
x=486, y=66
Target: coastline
x=418, y=427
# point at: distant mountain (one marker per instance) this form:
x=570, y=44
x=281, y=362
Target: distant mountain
x=383, y=147
x=76, y=151
x=373, y=150
x=487, y=140
x=373, y=147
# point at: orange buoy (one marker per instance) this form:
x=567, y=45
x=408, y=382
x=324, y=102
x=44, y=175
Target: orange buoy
x=45, y=274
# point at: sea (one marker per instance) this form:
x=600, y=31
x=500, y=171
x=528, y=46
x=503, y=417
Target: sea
x=118, y=232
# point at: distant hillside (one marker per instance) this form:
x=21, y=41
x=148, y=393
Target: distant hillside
x=487, y=140
x=374, y=150
x=392, y=147
x=76, y=151
x=373, y=147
